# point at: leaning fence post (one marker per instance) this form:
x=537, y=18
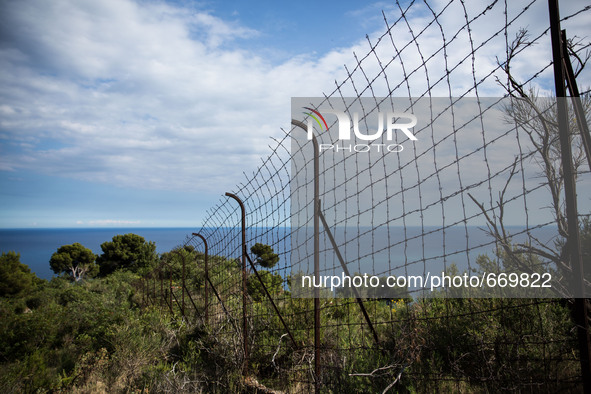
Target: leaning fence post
x=206, y=278
x=347, y=273
x=271, y=301
x=183, y=286
x=244, y=322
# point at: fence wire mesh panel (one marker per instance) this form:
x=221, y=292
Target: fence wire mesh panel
x=468, y=198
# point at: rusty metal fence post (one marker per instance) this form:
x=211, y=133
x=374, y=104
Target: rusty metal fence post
x=316, y=256
x=162, y=296
x=183, y=287
x=316, y=266
x=154, y=288
x=215, y=292
x=570, y=195
x=571, y=83
x=206, y=284
x=244, y=273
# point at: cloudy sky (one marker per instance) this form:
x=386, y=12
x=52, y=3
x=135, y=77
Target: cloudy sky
x=143, y=113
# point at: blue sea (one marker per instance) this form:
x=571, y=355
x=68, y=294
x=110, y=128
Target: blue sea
x=37, y=245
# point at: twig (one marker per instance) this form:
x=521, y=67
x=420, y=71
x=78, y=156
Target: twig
x=394, y=382
x=277, y=351
x=374, y=371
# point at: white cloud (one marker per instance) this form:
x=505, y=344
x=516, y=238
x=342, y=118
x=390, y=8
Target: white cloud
x=110, y=222
x=151, y=95
x=140, y=95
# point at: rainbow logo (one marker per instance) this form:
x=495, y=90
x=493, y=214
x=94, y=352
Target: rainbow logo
x=311, y=114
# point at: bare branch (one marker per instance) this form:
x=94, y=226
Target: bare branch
x=372, y=373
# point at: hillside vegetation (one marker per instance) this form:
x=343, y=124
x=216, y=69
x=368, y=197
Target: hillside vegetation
x=103, y=334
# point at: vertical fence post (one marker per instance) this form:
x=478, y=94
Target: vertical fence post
x=148, y=286
x=154, y=288
x=162, y=296
x=171, y=295
x=316, y=256
x=206, y=278
x=143, y=291
x=244, y=300
x=573, y=242
x=571, y=83
x=183, y=288
x=316, y=266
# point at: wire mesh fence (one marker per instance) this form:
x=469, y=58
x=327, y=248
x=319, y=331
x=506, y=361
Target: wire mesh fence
x=445, y=204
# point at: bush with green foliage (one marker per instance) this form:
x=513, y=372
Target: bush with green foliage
x=272, y=282
x=89, y=336
x=74, y=260
x=171, y=265
x=15, y=278
x=129, y=251
x=266, y=257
